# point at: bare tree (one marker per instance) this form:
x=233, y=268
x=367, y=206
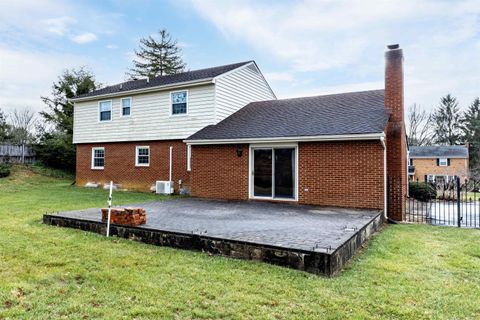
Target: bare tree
x=419, y=126
x=23, y=124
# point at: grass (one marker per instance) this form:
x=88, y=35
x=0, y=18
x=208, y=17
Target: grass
x=408, y=271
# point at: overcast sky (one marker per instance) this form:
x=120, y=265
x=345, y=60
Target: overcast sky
x=302, y=47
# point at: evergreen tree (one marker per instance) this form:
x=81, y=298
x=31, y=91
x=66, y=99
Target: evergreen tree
x=157, y=57
x=447, y=121
x=4, y=128
x=55, y=148
x=471, y=134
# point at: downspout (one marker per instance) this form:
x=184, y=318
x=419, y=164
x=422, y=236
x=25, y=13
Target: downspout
x=385, y=205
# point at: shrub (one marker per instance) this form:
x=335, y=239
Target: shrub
x=422, y=191
x=4, y=170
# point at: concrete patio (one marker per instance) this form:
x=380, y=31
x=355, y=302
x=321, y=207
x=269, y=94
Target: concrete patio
x=314, y=239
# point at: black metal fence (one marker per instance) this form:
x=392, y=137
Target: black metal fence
x=444, y=202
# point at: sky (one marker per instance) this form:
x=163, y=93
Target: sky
x=303, y=48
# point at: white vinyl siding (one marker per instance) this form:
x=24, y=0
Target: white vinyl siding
x=151, y=113
x=238, y=88
x=151, y=119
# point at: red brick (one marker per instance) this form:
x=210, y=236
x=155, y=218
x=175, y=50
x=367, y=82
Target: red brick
x=120, y=164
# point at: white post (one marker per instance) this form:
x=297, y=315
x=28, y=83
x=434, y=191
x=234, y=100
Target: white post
x=170, y=176
x=109, y=208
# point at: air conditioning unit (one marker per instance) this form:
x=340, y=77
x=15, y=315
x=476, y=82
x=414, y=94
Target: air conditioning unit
x=164, y=187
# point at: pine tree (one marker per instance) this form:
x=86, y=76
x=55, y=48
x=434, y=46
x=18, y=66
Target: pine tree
x=447, y=121
x=471, y=134
x=4, y=128
x=157, y=58
x=55, y=148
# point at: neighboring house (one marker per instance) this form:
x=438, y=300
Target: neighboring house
x=437, y=163
x=124, y=132
x=243, y=144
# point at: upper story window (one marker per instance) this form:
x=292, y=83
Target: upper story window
x=410, y=162
x=142, y=157
x=126, y=106
x=105, y=110
x=179, y=102
x=442, y=162
x=98, y=158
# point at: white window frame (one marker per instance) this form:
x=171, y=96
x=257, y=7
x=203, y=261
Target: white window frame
x=137, y=148
x=440, y=162
x=171, y=104
x=121, y=107
x=93, y=158
x=189, y=157
x=251, y=149
x=99, y=111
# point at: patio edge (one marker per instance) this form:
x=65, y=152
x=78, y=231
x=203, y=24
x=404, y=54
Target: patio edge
x=324, y=263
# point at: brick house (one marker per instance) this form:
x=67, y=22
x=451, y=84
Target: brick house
x=437, y=163
x=237, y=141
x=125, y=132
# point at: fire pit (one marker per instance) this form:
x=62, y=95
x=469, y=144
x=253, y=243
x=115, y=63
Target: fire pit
x=125, y=216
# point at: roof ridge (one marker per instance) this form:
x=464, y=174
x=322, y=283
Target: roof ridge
x=323, y=95
x=177, y=74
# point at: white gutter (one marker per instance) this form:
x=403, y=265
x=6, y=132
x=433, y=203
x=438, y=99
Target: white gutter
x=385, y=187
x=144, y=90
x=342, y=137
x=437, y=157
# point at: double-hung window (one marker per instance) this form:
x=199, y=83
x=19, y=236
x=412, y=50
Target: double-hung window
x=179, y=101
x=126, y=106
x=142, y=156
x=98, y=158
x=105, y=110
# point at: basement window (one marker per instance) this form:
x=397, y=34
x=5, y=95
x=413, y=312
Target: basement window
x=105, y=108
x=179, y=102
x=142, y=157
x=98, y=158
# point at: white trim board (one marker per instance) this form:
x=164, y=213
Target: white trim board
x=178, y=85
x=350, y=137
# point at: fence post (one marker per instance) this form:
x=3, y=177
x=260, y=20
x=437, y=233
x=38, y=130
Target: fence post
x=459, y=216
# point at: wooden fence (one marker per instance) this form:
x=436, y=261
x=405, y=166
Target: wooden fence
x=13, y=153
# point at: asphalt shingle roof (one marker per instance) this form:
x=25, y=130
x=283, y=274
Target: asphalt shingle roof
x=438, y=151
x=335, y=114
x=195, y=75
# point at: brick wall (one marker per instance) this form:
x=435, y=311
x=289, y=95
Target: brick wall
x=344, y=174
x=395, y=134
x=120, y=164
x=218, y=173
x=457, y=167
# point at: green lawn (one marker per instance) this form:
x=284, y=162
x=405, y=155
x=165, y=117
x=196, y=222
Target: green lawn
x=408, y=271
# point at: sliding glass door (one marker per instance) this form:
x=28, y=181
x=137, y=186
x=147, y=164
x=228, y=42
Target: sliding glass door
x=274, y=172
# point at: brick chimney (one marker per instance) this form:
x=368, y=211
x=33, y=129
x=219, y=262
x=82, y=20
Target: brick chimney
x=395, y=133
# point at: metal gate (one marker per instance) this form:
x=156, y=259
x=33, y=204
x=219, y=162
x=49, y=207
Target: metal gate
x=452, y=203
